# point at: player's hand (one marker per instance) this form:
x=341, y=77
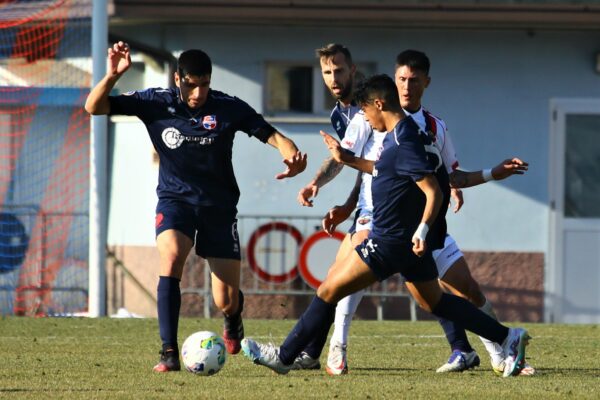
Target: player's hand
x=119, y=58
x=457, y=196
x=295, y=165
x=508, y=167
x=334, y=217
x=419, y=246
x=333, y=145
x=306, y=193
x=418, y=239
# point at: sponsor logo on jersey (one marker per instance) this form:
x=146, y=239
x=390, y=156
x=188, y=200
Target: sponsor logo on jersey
x=171, y=110
x=349, y=143
x=172, y=137
x=209, y=122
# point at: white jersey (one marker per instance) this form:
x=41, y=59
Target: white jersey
x=365, y=142
x=362, y=140
x=429, y=122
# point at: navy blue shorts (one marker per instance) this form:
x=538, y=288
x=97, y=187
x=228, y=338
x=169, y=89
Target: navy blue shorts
x=213, y=229
x=388, y=258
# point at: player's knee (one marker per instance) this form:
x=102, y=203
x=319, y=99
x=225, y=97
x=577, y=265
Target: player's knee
x=326, y=293
x=172, y=259
x=426, y=306
x=474, y=293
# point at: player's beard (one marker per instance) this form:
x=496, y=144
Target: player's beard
x=346, y=91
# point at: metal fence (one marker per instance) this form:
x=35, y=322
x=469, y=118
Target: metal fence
x=287, y=255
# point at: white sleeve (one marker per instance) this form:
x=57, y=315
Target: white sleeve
x=357, y=134
x=448, y=153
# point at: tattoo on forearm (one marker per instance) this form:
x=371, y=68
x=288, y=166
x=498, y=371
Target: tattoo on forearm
x=329, y=170
x=459, y=179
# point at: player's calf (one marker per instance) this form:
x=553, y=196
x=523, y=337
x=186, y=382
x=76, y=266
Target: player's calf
x=233, y=330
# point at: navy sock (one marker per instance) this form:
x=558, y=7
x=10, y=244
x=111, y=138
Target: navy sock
x=233, y=323
x=314, y=323
x=473, y=319
x=315, y=347
x=456, y=335
x=169, y=303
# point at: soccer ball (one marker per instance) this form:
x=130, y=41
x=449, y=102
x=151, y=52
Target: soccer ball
x=203, y=353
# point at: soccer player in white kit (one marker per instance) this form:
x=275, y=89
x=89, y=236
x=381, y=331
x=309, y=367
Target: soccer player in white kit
x=411, y=78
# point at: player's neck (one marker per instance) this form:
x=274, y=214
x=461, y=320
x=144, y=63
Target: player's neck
x=391, y=119
x=346, y=102
x=412, y=109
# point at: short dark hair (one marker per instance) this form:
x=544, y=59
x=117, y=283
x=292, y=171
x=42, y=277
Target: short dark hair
x=377, y=87
x=332, y=49
x=194, y=62
x=413, y=59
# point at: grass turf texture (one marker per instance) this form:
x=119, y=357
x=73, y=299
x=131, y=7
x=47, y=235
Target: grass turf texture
x=79, y=358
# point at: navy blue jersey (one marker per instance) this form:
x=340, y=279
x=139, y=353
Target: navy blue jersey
x=341, y=117
x=398, y=201
x=194, y=146
x=439, y=229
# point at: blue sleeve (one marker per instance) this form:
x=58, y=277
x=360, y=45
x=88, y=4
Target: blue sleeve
x=411, y=158
x=138, y=103
x=252, y=122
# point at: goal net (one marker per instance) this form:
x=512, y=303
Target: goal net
x=45, y=74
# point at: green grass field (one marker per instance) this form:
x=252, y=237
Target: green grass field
x=76, y=358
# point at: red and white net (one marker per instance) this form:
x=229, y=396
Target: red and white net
x=45, y=74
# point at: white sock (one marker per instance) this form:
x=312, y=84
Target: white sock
x=494, y=349
x=343, y=317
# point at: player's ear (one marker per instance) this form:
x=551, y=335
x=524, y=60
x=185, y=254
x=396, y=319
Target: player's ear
x=379, y=103
x=176, y=78
x=427, y=81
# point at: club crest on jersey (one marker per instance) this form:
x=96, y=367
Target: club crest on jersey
x=209, y=122
x=172, y=138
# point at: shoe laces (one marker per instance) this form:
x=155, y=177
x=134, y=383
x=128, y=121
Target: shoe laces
x=268, y=351
x=337, y=353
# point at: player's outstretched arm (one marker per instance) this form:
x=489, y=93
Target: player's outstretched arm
x=508, y=167
x=344, y=157
x=329, y=170
x=338, y=214
x=433, y=200
x=118, y=62
x=294, y=160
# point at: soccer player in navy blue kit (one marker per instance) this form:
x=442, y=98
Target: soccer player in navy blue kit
x=407, y=199
x=192, y=128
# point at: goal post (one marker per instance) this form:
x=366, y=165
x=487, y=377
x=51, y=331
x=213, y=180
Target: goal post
x=98, y=171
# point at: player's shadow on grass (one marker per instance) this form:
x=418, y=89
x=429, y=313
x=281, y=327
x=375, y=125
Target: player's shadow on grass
x=396, y=369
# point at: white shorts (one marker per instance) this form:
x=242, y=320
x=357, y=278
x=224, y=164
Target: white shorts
x=446, y=257
x=364, y=221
